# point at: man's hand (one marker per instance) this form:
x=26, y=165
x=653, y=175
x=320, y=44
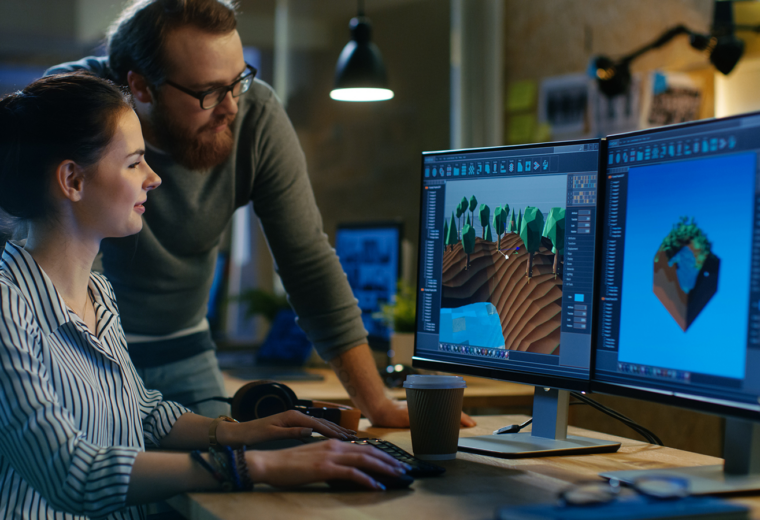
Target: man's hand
x=395, y=414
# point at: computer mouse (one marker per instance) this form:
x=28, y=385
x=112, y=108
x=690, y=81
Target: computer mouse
x=389, y=481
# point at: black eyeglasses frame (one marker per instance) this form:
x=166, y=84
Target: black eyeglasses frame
x=222, y=91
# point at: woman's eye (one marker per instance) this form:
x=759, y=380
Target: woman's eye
x=134, y=165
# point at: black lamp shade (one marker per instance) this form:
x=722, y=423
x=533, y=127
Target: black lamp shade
x=360, y=66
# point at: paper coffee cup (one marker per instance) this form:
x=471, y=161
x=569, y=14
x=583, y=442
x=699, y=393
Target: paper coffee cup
x=435, y=410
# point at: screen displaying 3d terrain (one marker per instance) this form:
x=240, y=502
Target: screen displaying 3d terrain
x=502, y=263
x=685, y=287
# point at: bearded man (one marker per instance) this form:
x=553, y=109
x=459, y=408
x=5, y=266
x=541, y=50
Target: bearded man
x=219, y=139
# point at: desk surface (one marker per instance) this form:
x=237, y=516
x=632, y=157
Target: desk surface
x=480, y=392
x=473, y=486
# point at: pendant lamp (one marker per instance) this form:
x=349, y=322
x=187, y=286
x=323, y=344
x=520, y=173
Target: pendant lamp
x=360, y=74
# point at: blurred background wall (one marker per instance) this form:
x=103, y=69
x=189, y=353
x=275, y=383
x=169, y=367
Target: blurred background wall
x=464, y=72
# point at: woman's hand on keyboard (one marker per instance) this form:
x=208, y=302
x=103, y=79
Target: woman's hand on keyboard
x=285, y=425
x=322, y=461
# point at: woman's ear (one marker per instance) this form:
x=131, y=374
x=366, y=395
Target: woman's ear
x=69, y=177
x=139, y=87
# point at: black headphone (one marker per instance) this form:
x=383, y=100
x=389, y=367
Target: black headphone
x=259, y=399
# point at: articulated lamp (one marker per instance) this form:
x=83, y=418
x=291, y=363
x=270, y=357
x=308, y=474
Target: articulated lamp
x=360, y=74
x=724, y=48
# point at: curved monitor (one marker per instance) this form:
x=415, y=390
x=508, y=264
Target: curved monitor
x=679, y=274
x=506, y=262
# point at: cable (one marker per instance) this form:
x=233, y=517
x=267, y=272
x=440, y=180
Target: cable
x=647, y=434
x=582, y=399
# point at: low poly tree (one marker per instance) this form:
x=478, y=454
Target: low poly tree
x=459, y=213
x=519, y=221
x=445, y=233
x=463, y=204
x=512, y=223
x=468, y=242
x=485, y=216
x=499, y=223
x=488, y=236
x=452, y=237
x=531, y=227
x=506, y=215
x=554, y=230
x=473, y=205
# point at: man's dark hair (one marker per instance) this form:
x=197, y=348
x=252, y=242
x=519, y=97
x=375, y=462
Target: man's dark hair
x=136, y=40
x=71, y=116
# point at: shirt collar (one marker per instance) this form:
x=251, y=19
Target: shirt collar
x=40, y=292
x=36, y=287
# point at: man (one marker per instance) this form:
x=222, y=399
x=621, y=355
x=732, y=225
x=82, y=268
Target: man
x=219, y=139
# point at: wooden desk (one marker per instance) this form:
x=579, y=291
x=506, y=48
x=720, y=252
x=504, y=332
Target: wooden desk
x=473, y=487
x=479, y=394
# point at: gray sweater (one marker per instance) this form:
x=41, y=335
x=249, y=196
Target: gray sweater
x=162, y=275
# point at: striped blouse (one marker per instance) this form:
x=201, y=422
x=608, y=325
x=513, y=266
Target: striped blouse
x=74, y=414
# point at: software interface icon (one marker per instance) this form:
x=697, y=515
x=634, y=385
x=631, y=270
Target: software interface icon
x=506, y=269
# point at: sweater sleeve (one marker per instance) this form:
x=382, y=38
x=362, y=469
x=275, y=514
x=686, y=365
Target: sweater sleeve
x=283, y=199
x=38, y=435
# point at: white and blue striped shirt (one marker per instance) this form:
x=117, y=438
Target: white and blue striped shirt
x=74, y=414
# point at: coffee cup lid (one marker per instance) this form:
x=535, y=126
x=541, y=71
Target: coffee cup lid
x=432, y=382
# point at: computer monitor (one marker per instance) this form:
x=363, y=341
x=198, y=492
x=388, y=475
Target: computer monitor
x=679, y=280
x=506, y=278
x=370, y=253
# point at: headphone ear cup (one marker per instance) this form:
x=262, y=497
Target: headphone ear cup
x=259, y=399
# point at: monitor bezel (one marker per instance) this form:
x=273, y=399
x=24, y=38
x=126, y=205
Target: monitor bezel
x=378, y=343
x=514, y=376
x=694, y=402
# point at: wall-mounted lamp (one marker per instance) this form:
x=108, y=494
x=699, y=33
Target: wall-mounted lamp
x=360, y=74
x=724, y=48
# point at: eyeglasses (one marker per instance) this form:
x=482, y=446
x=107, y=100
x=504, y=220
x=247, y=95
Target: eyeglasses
x=212, y=97
x=663, y=487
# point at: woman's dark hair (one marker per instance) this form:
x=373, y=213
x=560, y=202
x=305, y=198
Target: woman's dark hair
x=67, y=116
x=136, y=39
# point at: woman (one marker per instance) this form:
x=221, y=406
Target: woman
x=75, y=417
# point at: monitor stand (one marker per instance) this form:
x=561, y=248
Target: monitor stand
x=548, y=436
x=740, y=471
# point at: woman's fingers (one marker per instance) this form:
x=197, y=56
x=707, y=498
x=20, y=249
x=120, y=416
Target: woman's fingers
x=328, y=429
x=361, y=455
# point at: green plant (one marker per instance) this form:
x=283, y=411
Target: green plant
x=683, y=234
x=260, y=302
x=399, y=314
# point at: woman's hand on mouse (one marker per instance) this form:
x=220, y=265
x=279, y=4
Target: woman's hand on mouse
x=322, y=461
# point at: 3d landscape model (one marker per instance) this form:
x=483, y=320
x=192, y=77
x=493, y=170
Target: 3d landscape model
x=685, y=272
x=502, y=286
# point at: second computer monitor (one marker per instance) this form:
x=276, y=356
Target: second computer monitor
x=506, y=267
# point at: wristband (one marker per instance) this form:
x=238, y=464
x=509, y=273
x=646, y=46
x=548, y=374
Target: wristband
x=214, y=425
x=226, y=484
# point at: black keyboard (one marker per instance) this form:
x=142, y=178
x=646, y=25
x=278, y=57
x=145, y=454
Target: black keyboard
x=420, y=468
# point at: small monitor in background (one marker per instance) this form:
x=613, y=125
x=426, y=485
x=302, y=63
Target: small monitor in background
x=370, y=254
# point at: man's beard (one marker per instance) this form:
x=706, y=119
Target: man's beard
x=194, y=149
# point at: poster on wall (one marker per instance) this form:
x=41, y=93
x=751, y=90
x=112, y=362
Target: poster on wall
x=671, y=98
x=563, y=105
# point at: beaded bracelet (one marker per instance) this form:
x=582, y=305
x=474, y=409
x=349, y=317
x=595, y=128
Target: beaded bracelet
x=219, y=477
x=235, y=473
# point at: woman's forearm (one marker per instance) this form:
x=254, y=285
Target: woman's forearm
x=158, y=475
x=190, y=432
